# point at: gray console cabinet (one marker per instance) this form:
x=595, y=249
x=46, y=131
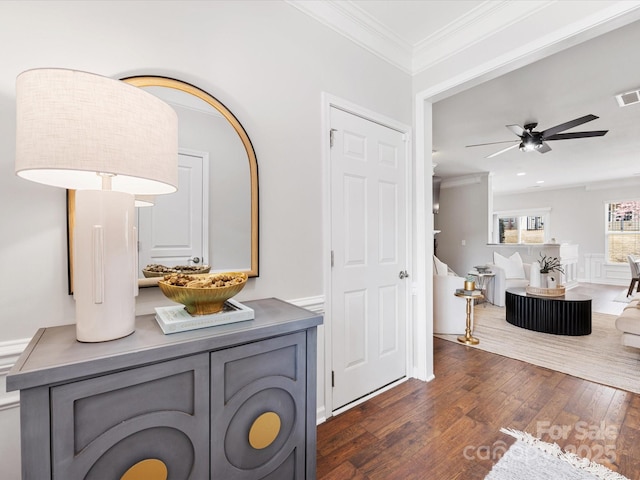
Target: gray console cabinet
x=189, y=401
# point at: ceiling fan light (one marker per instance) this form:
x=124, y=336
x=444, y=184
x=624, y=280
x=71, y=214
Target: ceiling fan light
x=531, y=142
x=527, y=146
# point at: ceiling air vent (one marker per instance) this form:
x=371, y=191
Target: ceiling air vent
x=629, y=98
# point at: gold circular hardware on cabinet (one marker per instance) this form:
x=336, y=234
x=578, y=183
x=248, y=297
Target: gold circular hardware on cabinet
x=264, y=430
x=148, y=469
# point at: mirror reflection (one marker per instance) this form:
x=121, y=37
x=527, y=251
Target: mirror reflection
x=212, y=218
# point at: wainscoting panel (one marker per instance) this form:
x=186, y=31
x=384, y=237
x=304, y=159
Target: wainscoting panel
x=597, y=270
x=9, y=353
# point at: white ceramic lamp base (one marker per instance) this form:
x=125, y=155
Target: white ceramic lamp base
x=104, y=265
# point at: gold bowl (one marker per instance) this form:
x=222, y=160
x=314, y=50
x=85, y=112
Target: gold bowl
x=199, y=299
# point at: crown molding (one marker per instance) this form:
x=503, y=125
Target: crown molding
x=462, y=181
x=629, y=182
x=358, y=26
x=475, y=27
x=355, y=24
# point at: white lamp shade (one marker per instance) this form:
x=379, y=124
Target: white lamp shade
x=142, y=201
x=71, y=125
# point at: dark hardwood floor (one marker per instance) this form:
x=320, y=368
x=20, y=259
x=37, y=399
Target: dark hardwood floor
x=449, y=428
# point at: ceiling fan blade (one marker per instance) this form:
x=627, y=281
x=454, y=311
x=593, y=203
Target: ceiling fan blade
x=544, y=148
x=517, y=129
x=567, y=125
x=568, y=136
x=491, y=143
x=502, y=151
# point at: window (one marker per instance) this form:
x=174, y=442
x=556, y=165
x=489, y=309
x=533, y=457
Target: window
x=521, y=226
x=622, y=230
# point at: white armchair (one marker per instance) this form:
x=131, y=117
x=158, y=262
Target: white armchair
x=449, y=311
x=500, y=283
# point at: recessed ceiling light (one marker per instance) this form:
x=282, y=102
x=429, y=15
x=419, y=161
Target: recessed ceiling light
x=628, y=98
x=521, y=174
x=540, y=181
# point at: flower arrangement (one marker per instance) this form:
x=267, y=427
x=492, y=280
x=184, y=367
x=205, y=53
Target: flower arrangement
x=550, y=264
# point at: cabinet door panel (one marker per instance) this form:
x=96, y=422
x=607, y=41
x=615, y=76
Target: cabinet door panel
x=105, y=425
x=171, y=446
x=247, y=382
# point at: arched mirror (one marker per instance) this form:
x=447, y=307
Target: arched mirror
x=213, y=218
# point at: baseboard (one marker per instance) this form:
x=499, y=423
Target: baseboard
x=321, y=416
x=314, y=304
x=369, y=396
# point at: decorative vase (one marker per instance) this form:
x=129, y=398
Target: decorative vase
x=552, y=281
x=534, y=280
x=543, y=280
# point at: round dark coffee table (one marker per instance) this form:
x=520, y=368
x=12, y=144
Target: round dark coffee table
x=569, y=314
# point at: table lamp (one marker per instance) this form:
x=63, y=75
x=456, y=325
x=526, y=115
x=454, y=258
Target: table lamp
x=111, y=142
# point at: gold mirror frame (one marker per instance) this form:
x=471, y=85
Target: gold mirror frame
x=158, y=81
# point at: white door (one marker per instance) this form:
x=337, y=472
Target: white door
x=368, y=240
x=172, y=232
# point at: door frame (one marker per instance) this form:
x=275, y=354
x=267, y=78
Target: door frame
x=331, y=101
x=597, y=24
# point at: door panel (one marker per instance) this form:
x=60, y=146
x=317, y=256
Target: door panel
x=388, y=298
x=101, y=427
x=269, y=376
x=368, y=240
x=355, y=204
x=172, y=231
x=355, y=315
x=388, y=228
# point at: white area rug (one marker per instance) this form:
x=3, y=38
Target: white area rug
x=622, y=296
x=599, y=357
x=532, y=459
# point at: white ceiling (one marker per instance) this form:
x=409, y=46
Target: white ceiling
x=415, y=35
x=570, y=84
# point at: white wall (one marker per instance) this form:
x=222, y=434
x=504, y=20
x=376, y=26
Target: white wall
x=577, y=217
x=463, y=217
x=265, y=60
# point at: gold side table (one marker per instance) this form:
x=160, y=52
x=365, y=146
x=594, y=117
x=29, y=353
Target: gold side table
x=483, y=279
x=468, y=338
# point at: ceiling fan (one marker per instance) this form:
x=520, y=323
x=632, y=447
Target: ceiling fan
x=531, y=140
